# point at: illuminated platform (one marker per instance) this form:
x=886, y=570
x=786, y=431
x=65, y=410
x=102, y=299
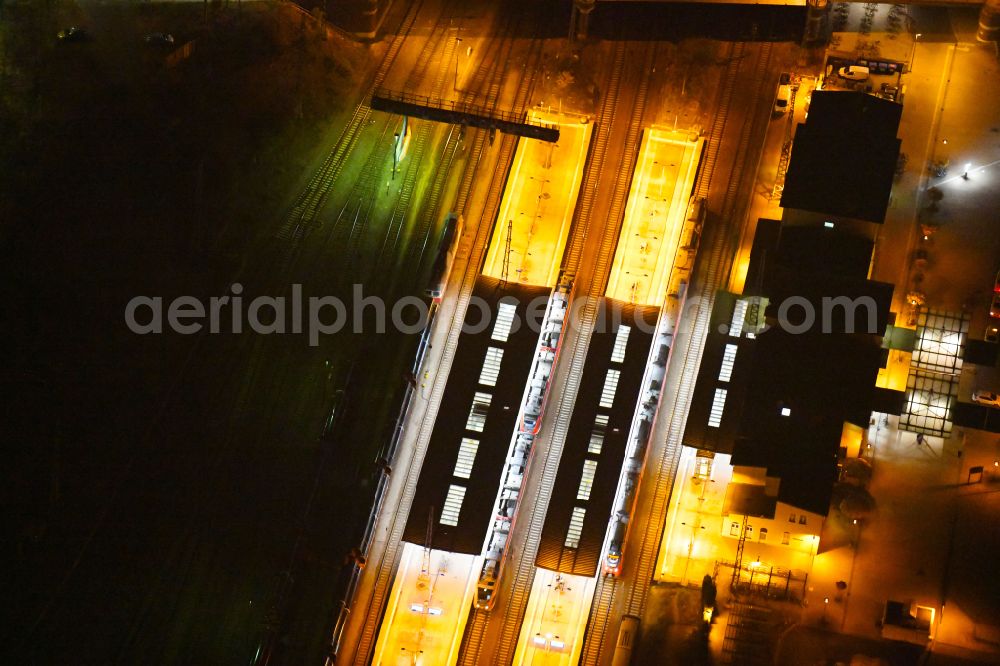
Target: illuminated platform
x=538, y=204
x=692, y=540
x=555, y=619
x=427, y=611
x=654, y=216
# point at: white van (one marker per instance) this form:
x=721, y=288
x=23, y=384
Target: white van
x=783, y=98
x=853, y=73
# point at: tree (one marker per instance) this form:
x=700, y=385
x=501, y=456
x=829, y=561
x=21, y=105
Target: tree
x=857, y=471
x=934, y=194
x=708, y=592
x=853, y=502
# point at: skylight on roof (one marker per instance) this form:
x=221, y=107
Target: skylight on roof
x=610, y=387
x=491, y=367
x=452, y=505
x=505, y=319
x=621, y=342
x=466, y=457
x=575, y=527
x=586, y=479
x=718, y=404
x=477, y=413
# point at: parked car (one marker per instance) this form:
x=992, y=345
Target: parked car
x=159, y=39
x=73, y=34
x=995, y=305
x=996, y=285
x=889, y=92
x=987, y=398
x=992, y=331
x=853, y=73
x=782, y=99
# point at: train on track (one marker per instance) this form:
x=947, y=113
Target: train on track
x=656, y=370
x=445, y=257
x=522, y=447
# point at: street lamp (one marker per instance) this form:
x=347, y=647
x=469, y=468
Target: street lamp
x=395, y=153
x=913, y=50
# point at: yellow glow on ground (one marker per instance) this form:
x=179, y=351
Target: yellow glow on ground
x=425, y=621
x=691, y=542
x=851, y=437
x=762, y=204
x=555, y=619
x=897, y=369
x=538, y=204
x=654, y=216
x=696, y=535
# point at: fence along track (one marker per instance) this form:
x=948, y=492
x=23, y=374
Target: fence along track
x=719, y=260
x=388, y=561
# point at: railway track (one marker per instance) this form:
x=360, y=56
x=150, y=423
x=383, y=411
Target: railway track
x=441, y=50
x=718, y=263
x=471, y=168
x=579, y=234
x=600, y=617
x=388, y=560
x=244, y=364
x=310, y=201
x=486, y=85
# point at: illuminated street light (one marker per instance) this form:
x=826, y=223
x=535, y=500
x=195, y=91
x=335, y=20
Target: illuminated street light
x=395, y=154
x=913, y=51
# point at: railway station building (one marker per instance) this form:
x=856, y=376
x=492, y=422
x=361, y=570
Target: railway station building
x=787, y=384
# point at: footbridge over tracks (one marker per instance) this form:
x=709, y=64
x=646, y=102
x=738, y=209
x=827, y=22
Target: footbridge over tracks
x=463, y=113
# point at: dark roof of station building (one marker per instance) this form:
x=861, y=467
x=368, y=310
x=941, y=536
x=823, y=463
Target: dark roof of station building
x=749, y=500
x=437, y=471
x=844, y=156
x=823, y=376
x=821, y=250
x=823, y=381
x=553, y=554
x=822, y=266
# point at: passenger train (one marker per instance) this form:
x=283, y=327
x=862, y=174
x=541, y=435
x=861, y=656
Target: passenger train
x=445, y=257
